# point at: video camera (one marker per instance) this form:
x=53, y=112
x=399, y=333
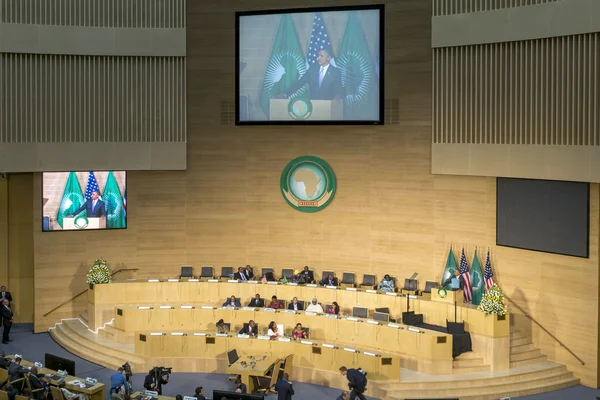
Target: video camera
x=161, y=376
x=128, y=373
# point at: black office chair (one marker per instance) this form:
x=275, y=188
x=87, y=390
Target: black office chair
x=226, y=272
x=265, y=271
x=187, y=271
x=300, y=303
x=384, y=310
x=348, y=279
x=307, y=331
x=429, y=285
x=359, y=312
x=326, y=274
x=411, y=285
x=207, y=271
x=270, y=276
x=369, y=281
x=287, y=273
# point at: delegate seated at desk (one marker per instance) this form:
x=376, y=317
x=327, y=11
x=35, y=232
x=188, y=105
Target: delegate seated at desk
x=232, y=302
x=250, y=329
x=257, y=301
x=456, y=282
x=294, y=305
x=330, y=280
x=315, y=307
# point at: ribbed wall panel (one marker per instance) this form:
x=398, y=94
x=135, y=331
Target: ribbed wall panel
x=451, y=7
x=543, y=91
x=48, y=98
x=100, y=13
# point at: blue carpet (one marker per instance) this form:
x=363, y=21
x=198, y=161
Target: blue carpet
x=33, y=347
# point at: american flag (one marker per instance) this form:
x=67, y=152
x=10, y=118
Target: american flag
x=488, y=276
x=92, y=186
x=464, y=272
x=319, y=40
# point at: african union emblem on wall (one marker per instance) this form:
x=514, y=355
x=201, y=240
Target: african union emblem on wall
x=308, y=184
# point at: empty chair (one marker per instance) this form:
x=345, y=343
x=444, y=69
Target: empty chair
x=207, y=271
x=187, y=271
x=226, y=272
x=379, y=316
x=410, y=284
x=287, y=273
x=369, y=281
x=383, y=310
x=429, y=285
x=359, y=312
x=265, y=271
x=348, y=279
x=265, y=383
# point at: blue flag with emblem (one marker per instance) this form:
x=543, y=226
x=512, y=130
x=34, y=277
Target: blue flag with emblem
x=286, y=65
x=361, y=101
x=476, y=280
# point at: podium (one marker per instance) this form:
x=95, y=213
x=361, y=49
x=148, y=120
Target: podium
x=93, y=223
x=322, y=110
x=451, y=296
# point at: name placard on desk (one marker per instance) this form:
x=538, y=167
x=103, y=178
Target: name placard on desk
x=233, y=281
x=221, y=335
x=264, y=337
x=292, y=284
x=391, y=293
x=311, y=285
x=372, y=322
x=227, y=308
x=371, y=291
x=352, y=319
x=332, y=316
x=310, y=313
x=248, y=308
x=243, y=336
x=289, y=311
x=284, y=339
x=272, y=283
x=213, y=281
x=331, y=287
x=208, y=307
x=252, y=282
x=268, y=309
x=352, y=289
x=193, y=280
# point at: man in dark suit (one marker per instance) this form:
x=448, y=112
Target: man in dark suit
x=330, y=280
x=232, y=302
x=199, y=394
x=241, y=275
x=4, y=362
x=95, y=207
x=308, y=275
x=38, y=381
x=324, y=80
x=4, y=294
x=257, y=301
x=249, y=329
x=295, y=305
x=456, y=281
x=7, y=317
x=357, y=382
x=16, y=371
x=284, y=388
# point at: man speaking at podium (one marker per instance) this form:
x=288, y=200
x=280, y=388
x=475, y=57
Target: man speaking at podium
x=95, y=207
x=324, y=80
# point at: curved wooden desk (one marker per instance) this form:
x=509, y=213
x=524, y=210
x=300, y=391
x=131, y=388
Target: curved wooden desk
x=312, y=362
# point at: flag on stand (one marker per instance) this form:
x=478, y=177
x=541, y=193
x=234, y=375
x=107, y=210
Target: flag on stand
x=361, y=101
x=319, y=40
x=71, y=200
x=488, y=276
x=450, y=268
x=286, y=65
x=476, y=276
x=92, y=186
x=464, y=272
x=115, y=215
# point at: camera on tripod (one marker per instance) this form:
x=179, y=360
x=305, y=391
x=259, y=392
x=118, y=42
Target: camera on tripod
x=159, y=376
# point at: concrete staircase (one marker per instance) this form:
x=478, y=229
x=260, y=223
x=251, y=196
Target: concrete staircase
x=469, y=362
x=522, y=351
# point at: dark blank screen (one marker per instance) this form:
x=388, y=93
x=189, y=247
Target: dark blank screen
x=549, y=216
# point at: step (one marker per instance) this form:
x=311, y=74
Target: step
x=520, y=363
x=525, y=355
x=470, y=369
x=84, y=337
x=493, y=392
x=531, y=372
x=520, y=341
x=522, y=348
x=84, y=317
x=74, y=348
x=467, y=362
x=111, y=333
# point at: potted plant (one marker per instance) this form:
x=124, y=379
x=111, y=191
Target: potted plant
x=99, y=273
x=493, y=301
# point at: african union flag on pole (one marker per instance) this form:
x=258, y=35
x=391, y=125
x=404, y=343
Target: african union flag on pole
x=476, y=280
x=115, y=215
x=286, y=65
x=450, y=268
x=71, y=200
x=361, y=101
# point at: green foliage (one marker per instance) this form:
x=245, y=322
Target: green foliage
x=99, y=272
x=493, y=301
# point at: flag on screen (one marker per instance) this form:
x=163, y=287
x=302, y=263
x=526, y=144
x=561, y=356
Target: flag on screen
x=115, y=215
x=92, y=186
x=488, y=276
x=71, y=200
x=464, y=272
x=476, y=280
x=125, y=203
x=361, y=101
x=286, y=65
x=450, y=268
x=319, y=40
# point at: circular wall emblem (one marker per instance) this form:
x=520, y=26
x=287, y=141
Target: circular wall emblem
x=300, y=108
x=81, y=222
x=442, y=292
x=308, y=184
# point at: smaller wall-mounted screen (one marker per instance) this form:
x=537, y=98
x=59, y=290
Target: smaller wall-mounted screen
x=84, y=200
x=310, y=66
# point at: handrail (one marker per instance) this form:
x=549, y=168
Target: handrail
x=83, y=291
x=544, y=329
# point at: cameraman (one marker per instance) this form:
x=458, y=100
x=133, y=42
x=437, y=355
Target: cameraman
x=118, y=383
x=155, y=379
x=357, y=382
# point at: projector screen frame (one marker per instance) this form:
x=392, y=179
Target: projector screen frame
x=587, y=237
x=239, y=68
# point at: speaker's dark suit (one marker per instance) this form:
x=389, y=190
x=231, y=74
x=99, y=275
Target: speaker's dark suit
x=256, y=302
x=284, y=390
x=7, y=316
x=331, y=86
x=95, y=212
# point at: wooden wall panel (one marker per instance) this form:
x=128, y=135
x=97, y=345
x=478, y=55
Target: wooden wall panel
x=390, y=215
x=3, y=228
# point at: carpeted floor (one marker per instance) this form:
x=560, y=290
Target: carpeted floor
x=33, y=347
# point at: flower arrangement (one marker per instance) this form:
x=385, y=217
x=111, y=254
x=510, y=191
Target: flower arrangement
x=99, y=272
x=493, y=301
